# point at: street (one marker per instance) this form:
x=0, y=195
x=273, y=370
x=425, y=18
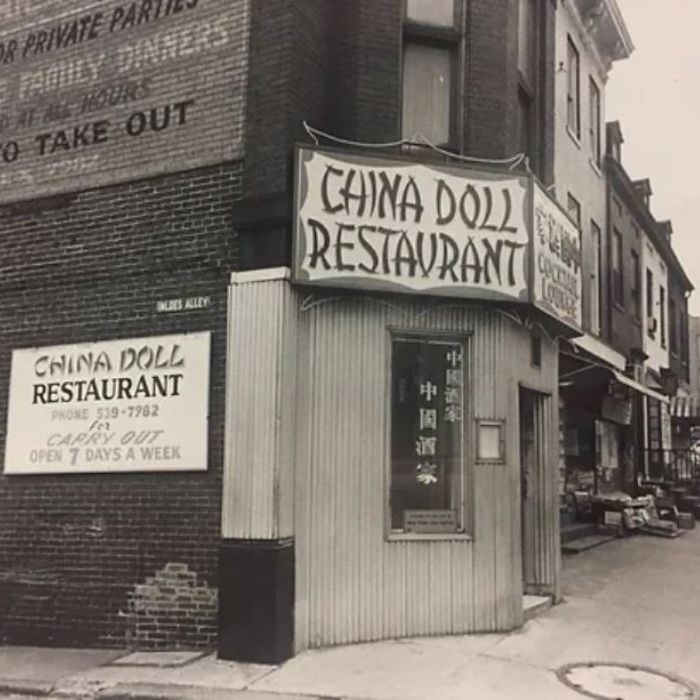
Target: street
x=632, y=601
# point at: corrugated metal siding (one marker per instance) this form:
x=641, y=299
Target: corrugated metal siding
x=351, y=583
x=259, y=451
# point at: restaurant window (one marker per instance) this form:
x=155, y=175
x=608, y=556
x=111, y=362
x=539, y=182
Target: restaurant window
x=617, y=276
x=431, y=43
x=427, y=435
x=573, y=89
x=662, y=315
x=594, y=121
x=574, y=208
x=635, y=287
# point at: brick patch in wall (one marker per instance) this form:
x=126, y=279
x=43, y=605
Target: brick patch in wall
x=173, y=609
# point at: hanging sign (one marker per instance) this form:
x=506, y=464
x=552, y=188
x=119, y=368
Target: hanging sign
x=557, y=285
x=94, y=93
x=139, y=404
x=378, y=223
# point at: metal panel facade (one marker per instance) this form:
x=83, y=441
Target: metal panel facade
x=258, y=463
x=353, y=583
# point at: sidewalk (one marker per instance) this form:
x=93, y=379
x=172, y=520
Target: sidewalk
x=634, y=601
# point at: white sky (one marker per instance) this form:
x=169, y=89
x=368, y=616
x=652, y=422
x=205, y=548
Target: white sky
x=656, y=96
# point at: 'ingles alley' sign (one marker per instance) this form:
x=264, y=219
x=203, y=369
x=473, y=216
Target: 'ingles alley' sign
x=387, y=224
x=138, y=404
x=94, y=93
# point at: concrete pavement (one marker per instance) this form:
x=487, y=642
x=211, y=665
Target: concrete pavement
x=633, y=601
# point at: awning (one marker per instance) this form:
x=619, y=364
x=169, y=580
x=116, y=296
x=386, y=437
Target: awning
x=685, y=407
x=624, y=379
x=598, y=374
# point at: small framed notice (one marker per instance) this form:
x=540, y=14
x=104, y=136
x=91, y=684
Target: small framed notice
x=430, y=521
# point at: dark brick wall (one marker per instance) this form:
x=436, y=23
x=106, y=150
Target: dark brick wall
x=74, y=548
x=337, y=65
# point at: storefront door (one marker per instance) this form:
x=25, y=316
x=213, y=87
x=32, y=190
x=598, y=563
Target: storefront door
x=534, y=465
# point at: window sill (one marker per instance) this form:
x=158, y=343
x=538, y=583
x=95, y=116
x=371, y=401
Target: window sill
x=595, y=167
x=573, y=137
x=428, y=536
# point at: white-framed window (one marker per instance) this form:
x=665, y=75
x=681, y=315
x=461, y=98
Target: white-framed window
x=594, y=120
x=573, y=89
x=427, y=407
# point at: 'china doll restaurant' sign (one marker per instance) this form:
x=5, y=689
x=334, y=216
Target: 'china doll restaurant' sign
x=138, y=404
x=400, y=226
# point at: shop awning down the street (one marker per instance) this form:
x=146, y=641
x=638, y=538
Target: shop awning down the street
x=624, y=379
x=598, y=374
x=685, y=409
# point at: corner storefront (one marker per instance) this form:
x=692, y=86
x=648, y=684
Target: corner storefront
x=392, y=431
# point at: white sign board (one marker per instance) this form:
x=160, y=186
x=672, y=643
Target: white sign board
x=138, y=404
x=396, y=225
x=557, y=285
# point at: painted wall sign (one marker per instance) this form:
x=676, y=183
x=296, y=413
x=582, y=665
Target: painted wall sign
x=138, y=404
x=408, y=227
x=93, y=93
x=557, y=278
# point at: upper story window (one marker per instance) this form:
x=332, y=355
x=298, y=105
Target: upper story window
x=635, y=287
x=440, y=13
x=618, y=287
x=595, y=279
x=531, y=126
x=662, y=315
x=594, y=121
x=527, y=35
x=573, y=89
x=650, y=302
x=431, y=45
x=672, y=326
x=573, y=206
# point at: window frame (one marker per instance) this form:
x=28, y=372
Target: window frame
x=662, y=315
x=597, y=276
x=450, y=39
x=636, y=285
x=466, y=499
x=573, y=203
x=594, y=116
x=617, y=272
x=573, y=101
x=673, y=327
x=650, y=300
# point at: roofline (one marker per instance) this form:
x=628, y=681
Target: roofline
x=652, y=228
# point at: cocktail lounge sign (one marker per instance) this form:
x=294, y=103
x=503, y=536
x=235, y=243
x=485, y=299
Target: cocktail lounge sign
x=388, y=224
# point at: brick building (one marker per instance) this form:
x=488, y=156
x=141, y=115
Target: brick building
x=115, y=225
x=222, y=330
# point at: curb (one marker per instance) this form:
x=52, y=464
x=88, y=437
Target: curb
x=25, y=687
x=165, y=691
